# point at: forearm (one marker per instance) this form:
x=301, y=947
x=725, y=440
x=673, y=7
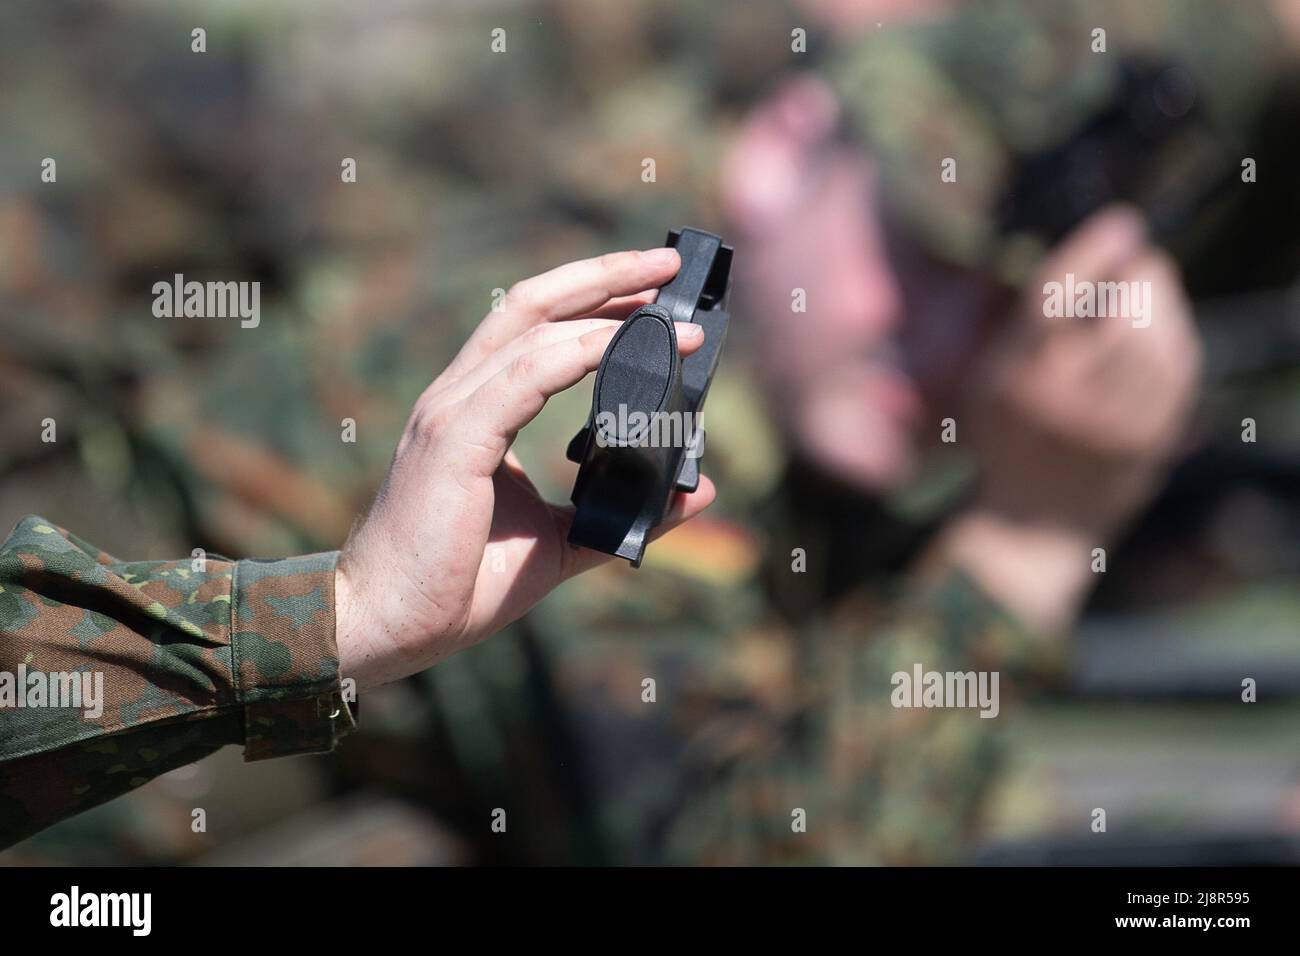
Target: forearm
x=368, y=652
x=174, y=659
x=1039, y=571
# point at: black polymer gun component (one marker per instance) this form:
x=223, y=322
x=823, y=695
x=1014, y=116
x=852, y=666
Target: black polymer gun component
x=1150, y=144
x=642, y=441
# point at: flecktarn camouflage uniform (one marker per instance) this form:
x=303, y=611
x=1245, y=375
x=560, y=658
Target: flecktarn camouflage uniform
x=192, y=659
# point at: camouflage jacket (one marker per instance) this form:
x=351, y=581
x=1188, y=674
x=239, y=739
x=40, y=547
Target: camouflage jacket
x=786, y=744
x=175, y=660
x=676, y=714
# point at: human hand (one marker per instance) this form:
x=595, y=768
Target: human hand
x=1075, y=420
x=458, y=542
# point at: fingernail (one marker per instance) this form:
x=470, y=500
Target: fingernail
x=662, y=256
x=689, y=330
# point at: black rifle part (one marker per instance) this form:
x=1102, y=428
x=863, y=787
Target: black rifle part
x=1151, y=145
x=642, y=441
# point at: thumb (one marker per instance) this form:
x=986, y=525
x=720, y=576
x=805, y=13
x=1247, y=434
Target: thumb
x=682, y=508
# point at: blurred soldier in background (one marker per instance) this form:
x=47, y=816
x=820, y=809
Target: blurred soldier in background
x=730, y=702
x=738, y=694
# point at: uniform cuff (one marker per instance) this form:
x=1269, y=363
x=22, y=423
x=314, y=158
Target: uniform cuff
x=284, y=656
x=970, y=626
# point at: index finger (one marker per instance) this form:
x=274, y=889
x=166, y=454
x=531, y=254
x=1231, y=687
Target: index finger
x=1093, y=252
x=1099, y=245
x=567, y=291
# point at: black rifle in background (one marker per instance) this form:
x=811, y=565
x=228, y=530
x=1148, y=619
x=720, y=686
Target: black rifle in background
x=1152, y=145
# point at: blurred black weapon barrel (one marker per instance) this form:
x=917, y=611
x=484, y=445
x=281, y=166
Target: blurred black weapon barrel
x=1151, y=145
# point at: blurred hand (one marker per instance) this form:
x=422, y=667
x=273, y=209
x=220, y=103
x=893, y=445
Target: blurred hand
x=1075, y=421
x=458, y=542
x=1076, y=418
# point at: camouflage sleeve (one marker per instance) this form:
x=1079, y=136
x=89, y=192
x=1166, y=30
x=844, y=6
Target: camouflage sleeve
x=855, y=771
x=113, y=672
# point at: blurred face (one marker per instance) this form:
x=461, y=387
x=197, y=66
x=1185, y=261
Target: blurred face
x=804, y=210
